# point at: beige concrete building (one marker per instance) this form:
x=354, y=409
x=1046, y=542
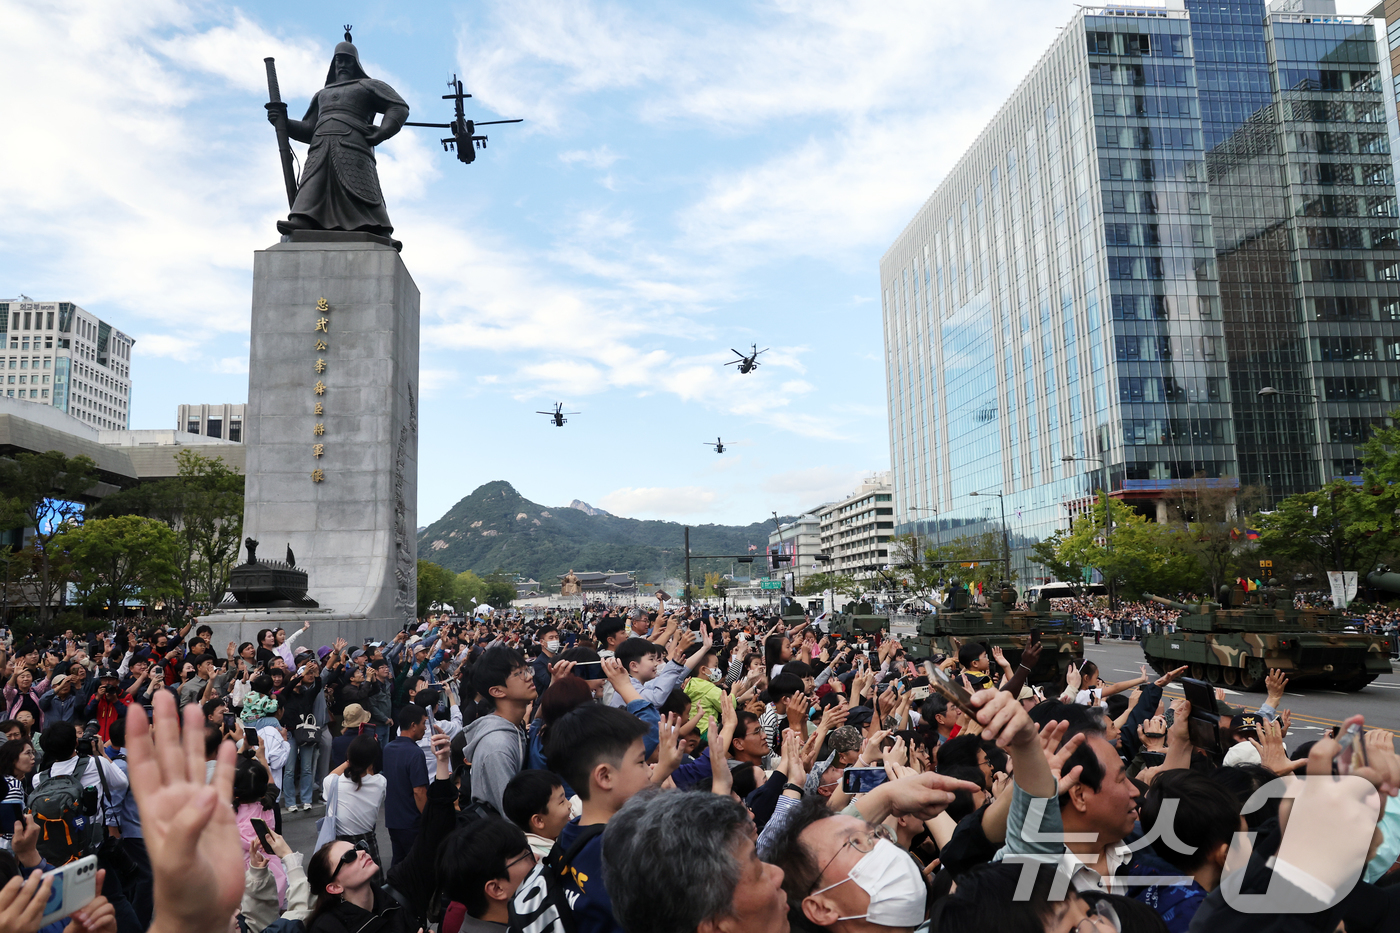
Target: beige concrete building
x=855, y=532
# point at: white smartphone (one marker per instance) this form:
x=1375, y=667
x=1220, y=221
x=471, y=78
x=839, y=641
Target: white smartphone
x=74, y=887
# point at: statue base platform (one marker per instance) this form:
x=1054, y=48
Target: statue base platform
x=240, y=625
x=340, y=236
x=331, y=431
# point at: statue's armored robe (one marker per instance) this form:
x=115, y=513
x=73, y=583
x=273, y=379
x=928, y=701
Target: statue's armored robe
x=339, y=187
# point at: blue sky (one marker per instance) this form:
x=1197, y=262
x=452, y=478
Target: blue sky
x=690, y=178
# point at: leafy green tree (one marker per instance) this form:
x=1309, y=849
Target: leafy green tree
x=1142, y=556
x=45, y=492
x=970, y=560
x=1327, y=529
x=1211, y=517
x=1379, y=517
x=500, y=590
x=468, y=591
x=1058, y=558
x=121, y=558
x=839, y=583
x=203, y=502
x=435, y=585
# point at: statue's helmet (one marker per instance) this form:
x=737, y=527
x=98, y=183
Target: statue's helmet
x=345, y=48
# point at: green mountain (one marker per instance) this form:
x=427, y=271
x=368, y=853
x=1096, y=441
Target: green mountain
x=496, y=528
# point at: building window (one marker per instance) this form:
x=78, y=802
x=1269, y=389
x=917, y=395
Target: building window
x=235, y=430
x=193, y=427
x=214, y=427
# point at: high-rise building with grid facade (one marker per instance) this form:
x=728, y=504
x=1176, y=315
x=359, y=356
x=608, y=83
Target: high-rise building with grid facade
x=1182, y=205
x=55, y=353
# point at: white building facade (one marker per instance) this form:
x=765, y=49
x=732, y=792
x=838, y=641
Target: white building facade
x=856, y=531
x=55, y=353
x=223, y=421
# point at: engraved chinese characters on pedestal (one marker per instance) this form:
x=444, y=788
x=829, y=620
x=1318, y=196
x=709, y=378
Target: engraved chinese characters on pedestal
x=406, y=567
x=323, y=324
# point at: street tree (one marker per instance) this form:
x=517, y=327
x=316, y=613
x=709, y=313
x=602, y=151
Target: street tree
x=203, y=503
x=1142, y=556
x=1379, y=515
x=435, y=585
x=44, y=493
x=122, y=558
x=468, y=591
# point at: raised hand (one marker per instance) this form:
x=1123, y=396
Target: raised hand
x=1153, y=734
x=562, y=668
x=1058, y=759
x=1073, y=678
x=1171, y=676
x=22, y=901
x=792, y=757
x=668, y=749
x=190, y=832
x=1272, y=754
x=1275, y=682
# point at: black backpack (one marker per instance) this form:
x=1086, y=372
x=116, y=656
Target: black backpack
x=540, y=904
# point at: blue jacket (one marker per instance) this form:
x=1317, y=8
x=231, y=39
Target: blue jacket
x=584, y=877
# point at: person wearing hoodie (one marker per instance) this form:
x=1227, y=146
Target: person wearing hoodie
x=495, y=743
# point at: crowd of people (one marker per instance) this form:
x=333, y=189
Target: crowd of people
x=652, y=771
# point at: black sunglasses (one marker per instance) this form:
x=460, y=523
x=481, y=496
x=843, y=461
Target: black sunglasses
x=349, y=856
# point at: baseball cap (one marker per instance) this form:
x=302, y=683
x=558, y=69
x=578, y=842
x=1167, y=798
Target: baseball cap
x=845, y=738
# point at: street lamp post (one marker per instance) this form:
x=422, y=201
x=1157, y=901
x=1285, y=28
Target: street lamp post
x=1005, y=535
x=1270, y=392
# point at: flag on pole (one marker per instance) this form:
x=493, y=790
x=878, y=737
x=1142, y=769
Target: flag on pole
x=1251, y=534
x=753, y=547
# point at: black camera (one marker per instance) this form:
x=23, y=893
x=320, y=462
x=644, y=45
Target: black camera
x=88, y=742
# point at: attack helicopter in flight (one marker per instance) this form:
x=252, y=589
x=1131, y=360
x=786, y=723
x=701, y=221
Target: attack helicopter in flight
x=557, y=416
x=747, y=364
x=717, y=444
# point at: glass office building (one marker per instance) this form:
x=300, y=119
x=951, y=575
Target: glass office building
x=1181, y=205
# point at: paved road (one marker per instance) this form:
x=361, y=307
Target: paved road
x=299, y=829
x=1313, y=709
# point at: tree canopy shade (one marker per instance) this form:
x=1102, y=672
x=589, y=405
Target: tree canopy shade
x=122, y=558
x=203, y=503
x=44, y=492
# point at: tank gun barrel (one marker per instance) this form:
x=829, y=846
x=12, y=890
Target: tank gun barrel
x=1183, y=607
x=1389, y=582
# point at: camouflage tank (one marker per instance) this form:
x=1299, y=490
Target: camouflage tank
x=1236, y=642
x=999, y=625
x=858, y=623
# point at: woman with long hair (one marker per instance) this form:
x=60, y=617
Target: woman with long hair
x=359, y=793
x=266, y=646
x=777, y=651
x=345, y=880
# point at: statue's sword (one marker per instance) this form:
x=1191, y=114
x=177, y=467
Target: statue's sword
x=284, y=146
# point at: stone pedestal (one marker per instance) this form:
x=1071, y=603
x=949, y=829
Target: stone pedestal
x=338, y=483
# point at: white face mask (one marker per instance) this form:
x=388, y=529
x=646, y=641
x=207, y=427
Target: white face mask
x=714, y=674
x=551, y=646
x=894, y=883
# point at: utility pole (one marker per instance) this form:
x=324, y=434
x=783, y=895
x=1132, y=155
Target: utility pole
x=687, y=567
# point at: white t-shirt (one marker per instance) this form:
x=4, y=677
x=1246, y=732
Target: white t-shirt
x=1091, y=697
x=357, y=809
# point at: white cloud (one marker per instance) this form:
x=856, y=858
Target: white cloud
x=807, y=487
x=599, y=158
x=232, y=364
x=164, y=345
x=660, y=502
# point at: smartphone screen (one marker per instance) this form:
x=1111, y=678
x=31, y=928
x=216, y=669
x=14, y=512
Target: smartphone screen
x=862, y=780
x=1200, y=695
x=948, y=688
x=589, y=670
x=260, y=827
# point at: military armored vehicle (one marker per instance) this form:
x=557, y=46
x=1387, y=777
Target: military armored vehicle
x=858, y=623
x=999, y=625
x=1236, y=642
